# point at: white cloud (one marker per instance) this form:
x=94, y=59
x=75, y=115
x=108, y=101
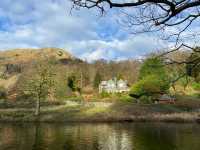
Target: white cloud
x=48, y=23
x=131, y=47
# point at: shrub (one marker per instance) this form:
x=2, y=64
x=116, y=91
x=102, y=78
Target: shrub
x=105, y=94
x=126, y=98
x=196, y=86
x=150, y=85
x=153, y=80
x=97, y=80
x=146, y=99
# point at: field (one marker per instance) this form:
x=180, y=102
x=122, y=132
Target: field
x=185, y=110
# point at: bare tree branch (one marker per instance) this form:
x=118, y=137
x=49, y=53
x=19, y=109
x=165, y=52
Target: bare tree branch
x=153, y=15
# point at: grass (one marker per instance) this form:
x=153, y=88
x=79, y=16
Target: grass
x=101, y=112
x=186, y=109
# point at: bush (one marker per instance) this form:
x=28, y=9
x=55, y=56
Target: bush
x=126, y=98
x=146, y=99
x=196, y=86
x=105, y=94
x=149, y=86
x=153, y=80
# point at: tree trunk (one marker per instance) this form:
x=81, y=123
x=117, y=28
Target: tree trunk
x=37, y=109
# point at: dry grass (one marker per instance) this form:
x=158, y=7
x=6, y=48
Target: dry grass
x=10, y=82
x=90, y=112
x=19, y=56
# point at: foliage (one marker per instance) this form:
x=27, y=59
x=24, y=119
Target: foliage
x=153, y=79
x=62, y=91
x=105, y=94
x=152, y=66
x=196, y=86
x=150, y=85
x=193, y=69
x=125, y=98
x=184, y=82
x=41, y=84
x=145, y=99
x=72, y=82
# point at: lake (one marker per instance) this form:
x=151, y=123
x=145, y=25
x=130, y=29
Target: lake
x=112, y=136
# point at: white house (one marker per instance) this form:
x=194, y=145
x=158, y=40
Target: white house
x=113, y=86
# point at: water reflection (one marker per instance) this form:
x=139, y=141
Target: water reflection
x=126, y=136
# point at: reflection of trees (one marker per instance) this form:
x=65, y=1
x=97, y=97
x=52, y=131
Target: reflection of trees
x=154, y=137
x=163, y=136
x=103, y=136
x=188, y=137
x=7, y=136
x=100, y=136
x=90, y=137
x=15, y=136
x=140, y=136
x=36, y=143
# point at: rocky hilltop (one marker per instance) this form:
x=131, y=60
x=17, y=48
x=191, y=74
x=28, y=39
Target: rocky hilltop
x=21, y=56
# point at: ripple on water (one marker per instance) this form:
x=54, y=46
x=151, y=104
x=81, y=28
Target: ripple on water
x=115, y=136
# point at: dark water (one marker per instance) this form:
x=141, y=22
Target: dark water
x=126, y=136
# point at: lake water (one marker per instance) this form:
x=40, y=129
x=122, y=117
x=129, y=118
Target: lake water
x=115, y=136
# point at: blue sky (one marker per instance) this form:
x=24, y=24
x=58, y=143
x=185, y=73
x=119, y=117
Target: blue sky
x=48, y=23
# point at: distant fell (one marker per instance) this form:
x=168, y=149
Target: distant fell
x=16, y=56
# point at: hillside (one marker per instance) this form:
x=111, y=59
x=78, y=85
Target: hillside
x=20, y=56
x=13, y=62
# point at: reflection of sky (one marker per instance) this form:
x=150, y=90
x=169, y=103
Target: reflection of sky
x=48, y=23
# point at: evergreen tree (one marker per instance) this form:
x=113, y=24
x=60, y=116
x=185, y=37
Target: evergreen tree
x=97, y=80
x=153, y=79
x=152, y=66
x=72, y=83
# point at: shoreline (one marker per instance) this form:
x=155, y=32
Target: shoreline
x=102, y=113
x=190, y=117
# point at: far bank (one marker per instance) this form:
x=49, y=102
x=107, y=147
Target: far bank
x=181, y=112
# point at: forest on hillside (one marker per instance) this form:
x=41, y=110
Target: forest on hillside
x=86, y=76
x=57, y=79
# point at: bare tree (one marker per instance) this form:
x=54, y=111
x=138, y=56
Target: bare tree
x=38, y=83
x=171, y=17
x=151, y=15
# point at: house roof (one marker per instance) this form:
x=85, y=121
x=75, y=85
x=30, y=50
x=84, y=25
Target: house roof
x=103, y=82
x=113, y=81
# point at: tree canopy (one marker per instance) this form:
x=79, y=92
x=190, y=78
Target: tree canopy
x=152, y=66
x=153, y=79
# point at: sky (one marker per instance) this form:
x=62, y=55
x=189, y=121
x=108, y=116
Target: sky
x=84, y=33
